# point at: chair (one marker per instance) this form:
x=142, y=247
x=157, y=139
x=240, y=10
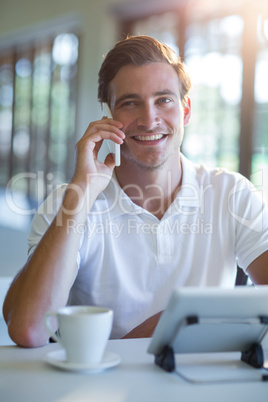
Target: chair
x=241, y=277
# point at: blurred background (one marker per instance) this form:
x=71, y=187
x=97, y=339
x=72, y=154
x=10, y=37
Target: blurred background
x=50, y=54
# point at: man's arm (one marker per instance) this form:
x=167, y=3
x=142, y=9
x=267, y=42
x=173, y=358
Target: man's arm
x=45, y=281
x=146, y=329
x=258, y=270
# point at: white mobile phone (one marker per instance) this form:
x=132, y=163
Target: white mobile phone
x=113, y=147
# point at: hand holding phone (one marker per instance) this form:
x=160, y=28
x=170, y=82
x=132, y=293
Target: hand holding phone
x=113, y=147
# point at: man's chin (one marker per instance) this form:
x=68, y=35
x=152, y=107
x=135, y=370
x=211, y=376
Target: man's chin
x=147, y=164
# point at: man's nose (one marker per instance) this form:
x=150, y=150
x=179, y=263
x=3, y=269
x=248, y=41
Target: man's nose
x=148, y=117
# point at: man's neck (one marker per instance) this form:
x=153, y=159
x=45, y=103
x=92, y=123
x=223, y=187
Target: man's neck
x=153, y=190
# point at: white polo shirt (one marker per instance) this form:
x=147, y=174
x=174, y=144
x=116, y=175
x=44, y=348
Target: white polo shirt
x=130, y=261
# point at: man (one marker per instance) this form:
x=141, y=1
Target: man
x=125, y=237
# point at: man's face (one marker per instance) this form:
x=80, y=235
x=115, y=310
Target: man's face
x=146, y=100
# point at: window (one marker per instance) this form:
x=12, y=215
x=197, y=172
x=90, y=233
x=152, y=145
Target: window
x=259, y=163
x=225, y=47
x=213, y=57
x=37, y=114
x=212, y=53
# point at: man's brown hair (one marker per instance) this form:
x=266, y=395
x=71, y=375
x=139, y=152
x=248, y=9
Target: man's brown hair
x=139, y=51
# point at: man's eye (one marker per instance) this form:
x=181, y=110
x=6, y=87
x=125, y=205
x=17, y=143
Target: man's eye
x=128, y=103
x=164, y=100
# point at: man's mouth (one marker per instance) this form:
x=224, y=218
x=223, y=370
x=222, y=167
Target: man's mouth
x=152, y=137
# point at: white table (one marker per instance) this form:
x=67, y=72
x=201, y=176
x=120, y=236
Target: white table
x=24, y=376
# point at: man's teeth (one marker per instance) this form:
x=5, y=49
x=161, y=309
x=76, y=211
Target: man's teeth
x=149, y=137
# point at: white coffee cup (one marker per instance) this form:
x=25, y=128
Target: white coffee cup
x=83, y=332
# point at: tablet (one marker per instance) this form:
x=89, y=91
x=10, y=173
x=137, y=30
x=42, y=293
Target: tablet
x=212, y=320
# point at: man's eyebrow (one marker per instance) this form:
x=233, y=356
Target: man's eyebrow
x=166, y=92
x=137, y=96
x=126, y=96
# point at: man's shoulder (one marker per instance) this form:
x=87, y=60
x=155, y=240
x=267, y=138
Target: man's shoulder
x=204, y=174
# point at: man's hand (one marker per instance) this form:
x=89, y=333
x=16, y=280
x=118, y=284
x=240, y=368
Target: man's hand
x=146, y=329
x=90, y=171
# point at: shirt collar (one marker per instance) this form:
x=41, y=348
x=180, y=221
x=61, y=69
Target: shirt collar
x=115, y=202
x=189, y=193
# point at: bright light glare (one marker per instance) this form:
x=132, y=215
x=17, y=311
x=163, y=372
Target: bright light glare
x=261, y=81
x=205, y=69
x=265, y=29
x=262, y=28
x=23, y=68
x=232, y=25
x=6, y=95
x=6, y=120
x=231, y=79
x=65, y=49
x=21, y=143
x=217, y=70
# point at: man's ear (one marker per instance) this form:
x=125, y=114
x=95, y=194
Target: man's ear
x=187, y=112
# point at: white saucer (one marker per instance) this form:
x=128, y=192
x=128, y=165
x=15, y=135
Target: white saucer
x=57, y=358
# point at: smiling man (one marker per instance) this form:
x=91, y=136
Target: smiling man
x=124, y=237
x=147, y=101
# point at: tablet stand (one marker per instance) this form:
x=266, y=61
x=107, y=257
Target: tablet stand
x=253, y=356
